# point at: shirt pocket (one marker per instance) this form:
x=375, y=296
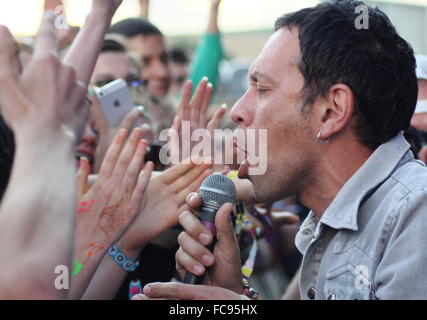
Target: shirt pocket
x=352, y=279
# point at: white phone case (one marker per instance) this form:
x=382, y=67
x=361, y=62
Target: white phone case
x=116, y=101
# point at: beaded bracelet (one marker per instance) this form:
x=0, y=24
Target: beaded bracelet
x=122, y=260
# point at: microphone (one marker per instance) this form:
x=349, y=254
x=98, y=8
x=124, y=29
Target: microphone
x=215, y=191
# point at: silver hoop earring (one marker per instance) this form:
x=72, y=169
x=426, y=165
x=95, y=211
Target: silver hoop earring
x=322, y=141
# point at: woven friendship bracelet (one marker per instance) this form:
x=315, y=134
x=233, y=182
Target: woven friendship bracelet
x=121, y=259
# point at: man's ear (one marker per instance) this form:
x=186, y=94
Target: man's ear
x=337, y=111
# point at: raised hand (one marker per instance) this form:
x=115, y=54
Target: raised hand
x=106, y=209
x=27, y=106
x=164, y=202
x=193, y=111
x=45, y=108
x=107, y=7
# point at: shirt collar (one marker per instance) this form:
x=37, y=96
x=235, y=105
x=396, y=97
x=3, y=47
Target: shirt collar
x=342, y=212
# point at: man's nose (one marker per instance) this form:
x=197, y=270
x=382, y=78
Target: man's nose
x=242, y=111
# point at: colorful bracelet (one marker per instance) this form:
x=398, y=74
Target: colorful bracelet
x=251, y=293
x=122, y=260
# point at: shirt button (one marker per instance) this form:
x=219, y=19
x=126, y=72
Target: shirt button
x=331, y=296
x=307, y=232
x=311, y=294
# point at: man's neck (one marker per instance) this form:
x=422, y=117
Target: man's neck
x=340, y=160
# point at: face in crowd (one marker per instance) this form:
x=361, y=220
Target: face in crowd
x=155, y=68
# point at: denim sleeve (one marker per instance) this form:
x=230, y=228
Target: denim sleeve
x=402, y=271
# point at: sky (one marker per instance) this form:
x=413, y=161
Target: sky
x=173, y=17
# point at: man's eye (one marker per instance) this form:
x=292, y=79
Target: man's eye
x=261, y=91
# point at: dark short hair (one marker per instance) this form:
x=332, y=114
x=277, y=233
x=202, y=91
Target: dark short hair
x=134, y=27
x=376, y=63
x=179, y=55
x=110, y=45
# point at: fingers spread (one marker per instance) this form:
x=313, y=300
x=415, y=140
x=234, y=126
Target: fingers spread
x=216, y=119
x=126, y=155
x=175, y=172
x=204, y=107
x=135, y=166
x=196, y=101
x=189, y=177
x=141, y=186
x=112, y=155
x=183, y=109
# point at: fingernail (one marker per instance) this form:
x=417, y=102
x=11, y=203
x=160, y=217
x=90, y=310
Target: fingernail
x=198, y=269
x=140, y=108
x=207, y=260
x=210, y=85
x=205, y=78
x=204, y=238
x=147, y=290
x=190, y=197
x=145, y=127
x=224, y=106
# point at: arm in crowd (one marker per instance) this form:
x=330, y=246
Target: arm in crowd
x=106, y=209
x=38, y=208
x=87, y=45
x=145, y=6
x=209, y=52
x=164, y=201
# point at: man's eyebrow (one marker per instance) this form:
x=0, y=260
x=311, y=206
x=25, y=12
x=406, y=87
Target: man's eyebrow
x=256, y=75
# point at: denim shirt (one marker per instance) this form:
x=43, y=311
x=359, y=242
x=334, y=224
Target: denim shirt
x=370, y=243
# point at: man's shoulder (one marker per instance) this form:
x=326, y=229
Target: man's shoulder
x=411, y=177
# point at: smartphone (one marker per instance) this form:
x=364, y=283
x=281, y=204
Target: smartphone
x=116, y=101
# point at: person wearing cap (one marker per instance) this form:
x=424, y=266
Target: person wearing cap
x=419, y=120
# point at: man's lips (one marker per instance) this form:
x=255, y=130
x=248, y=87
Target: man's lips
x=239, y=147
x=244, y=166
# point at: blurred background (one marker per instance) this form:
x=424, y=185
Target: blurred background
x=245, y=26
x=245, y=23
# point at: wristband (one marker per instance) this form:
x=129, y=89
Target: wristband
x=122, y=260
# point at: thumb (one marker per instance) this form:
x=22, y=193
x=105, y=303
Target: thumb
x=224, y=227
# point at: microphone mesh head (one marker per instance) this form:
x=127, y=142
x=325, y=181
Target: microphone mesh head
x=217, y=190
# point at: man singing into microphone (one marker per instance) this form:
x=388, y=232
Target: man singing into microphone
x=335, y=98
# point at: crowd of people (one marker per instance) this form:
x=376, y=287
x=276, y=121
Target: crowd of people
x=338, y=214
